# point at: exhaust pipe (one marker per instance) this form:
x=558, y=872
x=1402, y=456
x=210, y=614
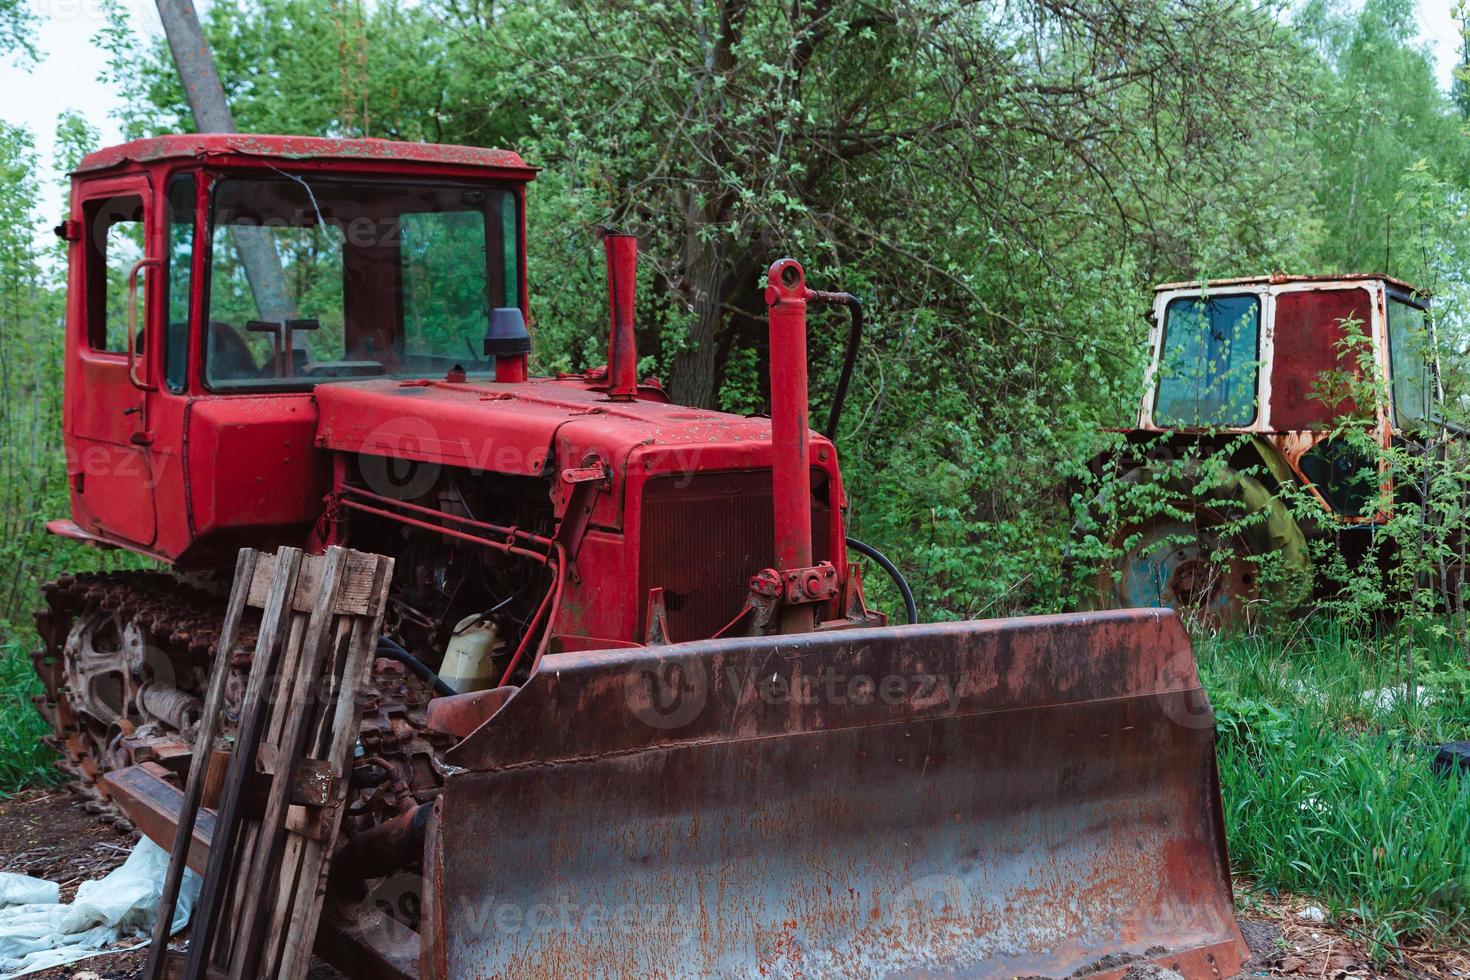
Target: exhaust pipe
x=622, y=286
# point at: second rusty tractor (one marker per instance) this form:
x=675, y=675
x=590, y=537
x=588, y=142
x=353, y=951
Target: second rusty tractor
x=1271, y=410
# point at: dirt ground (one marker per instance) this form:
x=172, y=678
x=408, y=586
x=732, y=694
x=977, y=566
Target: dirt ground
x=46, y=834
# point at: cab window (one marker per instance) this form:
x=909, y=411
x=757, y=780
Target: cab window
x=1408, y=348
x=114, y=244
x=179, y=270
x=316, y=278
x=1208, y=362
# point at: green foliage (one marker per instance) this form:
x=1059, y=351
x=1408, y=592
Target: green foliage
x=24, y=760
x=1379, y=111
x=17, y=27
x=1001, y=185
x=75, y=138
x=32, y=465
x=32, y=469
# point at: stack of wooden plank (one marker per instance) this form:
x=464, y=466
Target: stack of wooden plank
x=281, y=802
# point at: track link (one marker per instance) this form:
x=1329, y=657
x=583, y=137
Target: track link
x=173, y=619
x=95, y=727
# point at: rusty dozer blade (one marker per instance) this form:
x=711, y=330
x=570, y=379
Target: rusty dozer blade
x=1017, y=797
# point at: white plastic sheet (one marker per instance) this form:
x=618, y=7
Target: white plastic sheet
x=110, y=915
x=24, y=890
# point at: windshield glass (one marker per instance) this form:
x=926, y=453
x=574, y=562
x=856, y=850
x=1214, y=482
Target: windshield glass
x=1408, y=349
x=1208, y=362
x=337, y=278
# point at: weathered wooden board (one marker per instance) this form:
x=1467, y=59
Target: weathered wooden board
x=353, y=594
x=282, y=795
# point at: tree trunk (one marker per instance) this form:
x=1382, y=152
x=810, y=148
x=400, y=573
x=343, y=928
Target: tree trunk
x=696, y=366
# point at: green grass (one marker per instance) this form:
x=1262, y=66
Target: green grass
x=24, y=760
x=1329, y=794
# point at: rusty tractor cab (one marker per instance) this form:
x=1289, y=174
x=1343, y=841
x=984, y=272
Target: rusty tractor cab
x=1271, y=373
x=627, y=673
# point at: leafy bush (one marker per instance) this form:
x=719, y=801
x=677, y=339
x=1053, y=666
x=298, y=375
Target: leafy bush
x=24, y=760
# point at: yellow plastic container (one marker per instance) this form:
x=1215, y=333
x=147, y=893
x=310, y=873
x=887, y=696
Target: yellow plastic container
x=467, y=666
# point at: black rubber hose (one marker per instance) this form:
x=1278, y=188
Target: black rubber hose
x=849, y=358
x=909, y=607
x=389, y=650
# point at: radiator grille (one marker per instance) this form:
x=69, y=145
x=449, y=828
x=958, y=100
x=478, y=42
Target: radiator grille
x=703, y=537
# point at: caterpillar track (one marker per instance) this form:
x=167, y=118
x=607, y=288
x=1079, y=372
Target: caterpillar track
x=122, y=659
x=125, y=658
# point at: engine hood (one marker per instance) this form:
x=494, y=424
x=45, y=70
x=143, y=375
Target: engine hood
x=539, y=427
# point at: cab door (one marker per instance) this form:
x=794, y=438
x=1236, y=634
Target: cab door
x=1325, y=345
x=108, y=378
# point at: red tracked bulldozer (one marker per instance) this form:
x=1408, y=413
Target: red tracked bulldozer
x=632, y=713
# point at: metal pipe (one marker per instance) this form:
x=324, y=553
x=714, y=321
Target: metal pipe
x=505, y=529
x=791, y=476
x=622, y=288
x=448, y=532
x=510, y=369
x=849, y=357
x=381, y=850
x=551, y=600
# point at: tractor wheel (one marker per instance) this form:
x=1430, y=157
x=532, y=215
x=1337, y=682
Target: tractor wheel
x=1202, y=557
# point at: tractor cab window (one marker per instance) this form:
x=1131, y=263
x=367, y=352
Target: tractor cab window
x=313, y=279
x=179, y=269
x=1409, y=356
x=1208, y=362
x=114, y=247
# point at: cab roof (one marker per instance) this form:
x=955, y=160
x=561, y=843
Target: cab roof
x=200, y=145
x=1277, y=278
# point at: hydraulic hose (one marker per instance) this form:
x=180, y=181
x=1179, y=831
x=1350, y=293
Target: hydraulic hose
x=390, y=650
x=849, y=358
x=910, y=608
